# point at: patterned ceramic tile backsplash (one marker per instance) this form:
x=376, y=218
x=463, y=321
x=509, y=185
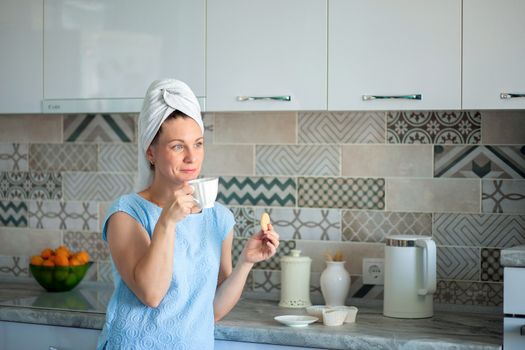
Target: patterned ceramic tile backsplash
x=330, y=181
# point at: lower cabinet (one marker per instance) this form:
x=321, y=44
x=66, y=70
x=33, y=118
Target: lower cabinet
x=15, y=335
x=234, y=345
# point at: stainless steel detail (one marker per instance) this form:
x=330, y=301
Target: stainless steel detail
x=257, y=98
x=392, y=242
x=508, y=96
x=386, y=97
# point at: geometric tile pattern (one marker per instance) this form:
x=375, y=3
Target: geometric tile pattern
x=209, y=121
x=274, y=263
x=30, y=185
x=14, y=266
x=118, y=157
x=349, y=193
x=297, y=160
x=491, y=270
x=13, y=157
x=99, y=128
x=237, y=247
x=496, y=162
x=89, y=241
x=13, y=214
x=479, y=230
x=439, y=127
x=341, y=127
x=270, y=191
x=374, y=226
x=311, y=224
x=503, y=196
x=97, y=186
x=245, y=222
x=458, y=263
x=469, y=293
x=105, y=272
x=54, y=215
x=266, y=281
x=62, y=157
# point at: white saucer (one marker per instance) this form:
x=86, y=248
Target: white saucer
x=295, y=320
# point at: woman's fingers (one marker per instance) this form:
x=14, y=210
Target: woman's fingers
x=272, y=248
x=273, y=239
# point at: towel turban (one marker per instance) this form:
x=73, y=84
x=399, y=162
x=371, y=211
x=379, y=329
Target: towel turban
x=162, y=98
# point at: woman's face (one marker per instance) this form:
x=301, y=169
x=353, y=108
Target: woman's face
x=178, y=152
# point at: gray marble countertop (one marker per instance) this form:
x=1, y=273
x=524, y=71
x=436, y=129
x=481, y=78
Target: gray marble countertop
x=252, y=321
x=513, y=257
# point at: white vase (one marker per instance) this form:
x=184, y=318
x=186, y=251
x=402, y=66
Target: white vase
x=335, y=283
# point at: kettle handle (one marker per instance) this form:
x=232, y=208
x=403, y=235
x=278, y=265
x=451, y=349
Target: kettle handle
x=429, y=266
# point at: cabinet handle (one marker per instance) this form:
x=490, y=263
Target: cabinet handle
x=507, y=96
x=255, y=98
x=385, y=97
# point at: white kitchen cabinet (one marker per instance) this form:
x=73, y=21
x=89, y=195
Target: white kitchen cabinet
x=493, y=54
x=262, y=49
x=384, y=48
x=21, y=27
x=106, y=53
x=514, y=308
x=32, y=336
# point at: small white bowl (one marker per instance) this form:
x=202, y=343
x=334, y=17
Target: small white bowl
x=334, y=317
x=317, y=311
x=352, y=312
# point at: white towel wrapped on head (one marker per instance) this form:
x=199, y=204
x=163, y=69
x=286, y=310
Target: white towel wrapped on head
x=162, y=98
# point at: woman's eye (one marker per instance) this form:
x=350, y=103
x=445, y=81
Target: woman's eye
x=178, y=148
x=199, y=145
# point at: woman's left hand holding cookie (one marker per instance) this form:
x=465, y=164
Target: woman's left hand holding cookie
x=261, y=246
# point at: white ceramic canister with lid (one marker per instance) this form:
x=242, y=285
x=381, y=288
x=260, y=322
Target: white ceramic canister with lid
x=295, y=280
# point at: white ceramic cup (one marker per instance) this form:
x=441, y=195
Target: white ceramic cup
x=205, y=191
x=334, y=317
x=352, y=312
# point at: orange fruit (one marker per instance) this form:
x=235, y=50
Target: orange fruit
x=62, y=251
x=48, y=262
x=61, y=260
x=46, y=253
x=36, y=260
x=62, y=247
x=83, y=256
x=74, y=261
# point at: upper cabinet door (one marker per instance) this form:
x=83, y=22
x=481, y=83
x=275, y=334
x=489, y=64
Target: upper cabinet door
x=493, y=54
x=21, y=26
x=102, y=49
x=266, y=55
x=386, y=54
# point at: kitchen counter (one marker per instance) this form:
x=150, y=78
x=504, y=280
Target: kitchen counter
x=252, y=321
x=513, y=257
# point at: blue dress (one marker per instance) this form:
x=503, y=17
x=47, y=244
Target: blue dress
x=184, y=319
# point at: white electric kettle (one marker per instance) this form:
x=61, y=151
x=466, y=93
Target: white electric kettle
x=410, y=276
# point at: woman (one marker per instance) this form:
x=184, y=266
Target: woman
x=172, y=262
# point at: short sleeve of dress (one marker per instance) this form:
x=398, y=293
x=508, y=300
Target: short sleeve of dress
x=128, y=205
x=225, y=220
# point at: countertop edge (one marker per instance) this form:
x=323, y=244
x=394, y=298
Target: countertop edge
x=266, y=333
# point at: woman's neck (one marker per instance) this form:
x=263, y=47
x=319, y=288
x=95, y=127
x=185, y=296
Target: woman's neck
x=160, y=195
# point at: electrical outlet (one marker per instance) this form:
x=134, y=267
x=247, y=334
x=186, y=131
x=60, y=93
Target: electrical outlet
x=373, y=271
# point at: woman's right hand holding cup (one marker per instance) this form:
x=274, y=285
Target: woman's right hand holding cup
x=182, y=205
